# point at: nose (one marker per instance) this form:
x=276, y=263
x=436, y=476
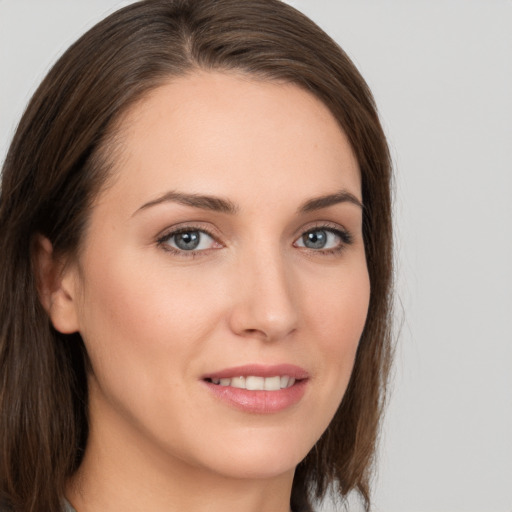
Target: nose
x=264, y=305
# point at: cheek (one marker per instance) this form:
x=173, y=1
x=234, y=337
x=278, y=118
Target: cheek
x=145, y=318
x=338, y=313
x=144, y=331
x=339, y=308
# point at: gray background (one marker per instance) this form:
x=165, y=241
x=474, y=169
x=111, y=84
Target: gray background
x=441, y=72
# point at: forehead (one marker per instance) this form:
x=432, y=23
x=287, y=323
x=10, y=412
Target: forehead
x=230, y=134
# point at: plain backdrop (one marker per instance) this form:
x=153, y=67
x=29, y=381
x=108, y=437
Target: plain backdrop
x=441, y=72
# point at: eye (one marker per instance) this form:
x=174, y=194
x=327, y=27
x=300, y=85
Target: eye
x=323, y=239
x=188, y=240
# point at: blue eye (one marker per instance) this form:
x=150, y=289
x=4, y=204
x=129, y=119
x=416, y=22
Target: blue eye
x=188, y=240
x=323, y=239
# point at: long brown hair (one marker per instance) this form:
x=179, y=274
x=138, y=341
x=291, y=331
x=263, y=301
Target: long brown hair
x=59, y=159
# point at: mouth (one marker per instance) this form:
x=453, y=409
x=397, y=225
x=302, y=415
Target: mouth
x=255, y=383
x=259, y=389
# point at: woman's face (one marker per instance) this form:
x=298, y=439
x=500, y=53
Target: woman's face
x=226, y=254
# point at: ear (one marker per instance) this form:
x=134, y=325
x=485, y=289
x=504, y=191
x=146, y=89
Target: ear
x=56, y=285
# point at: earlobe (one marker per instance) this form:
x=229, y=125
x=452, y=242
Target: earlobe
x=56, y=286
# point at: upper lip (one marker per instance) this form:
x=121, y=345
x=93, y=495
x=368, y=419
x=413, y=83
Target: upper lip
x=260, y=370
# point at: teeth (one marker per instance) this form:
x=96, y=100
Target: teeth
x=254, y=383
x=238, y=382
x=272, y=383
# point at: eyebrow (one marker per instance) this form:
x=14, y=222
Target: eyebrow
x=204, y=202
x=219, y=204
x=318, y=203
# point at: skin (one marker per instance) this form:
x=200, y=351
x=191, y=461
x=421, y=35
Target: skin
x=155, y=321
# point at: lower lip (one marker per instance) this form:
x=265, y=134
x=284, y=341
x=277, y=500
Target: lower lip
x=259, y=402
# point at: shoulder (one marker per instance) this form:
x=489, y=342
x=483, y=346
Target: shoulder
x=66, y=507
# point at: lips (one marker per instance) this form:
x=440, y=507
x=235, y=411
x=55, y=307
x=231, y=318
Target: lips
x=259, y=389
x=259, y=370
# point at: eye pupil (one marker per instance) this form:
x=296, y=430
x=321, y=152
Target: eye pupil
x=187, y=241
x=315, y=239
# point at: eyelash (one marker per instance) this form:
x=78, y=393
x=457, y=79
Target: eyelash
x=162, y=241
x=344, y=236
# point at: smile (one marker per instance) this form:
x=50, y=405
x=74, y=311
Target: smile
x=259, y=389
x=255, y=383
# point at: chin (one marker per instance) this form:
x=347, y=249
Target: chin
x=255, y=455
x=257, y=467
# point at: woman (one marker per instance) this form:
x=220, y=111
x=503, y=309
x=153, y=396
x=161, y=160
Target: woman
x=196, y=246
